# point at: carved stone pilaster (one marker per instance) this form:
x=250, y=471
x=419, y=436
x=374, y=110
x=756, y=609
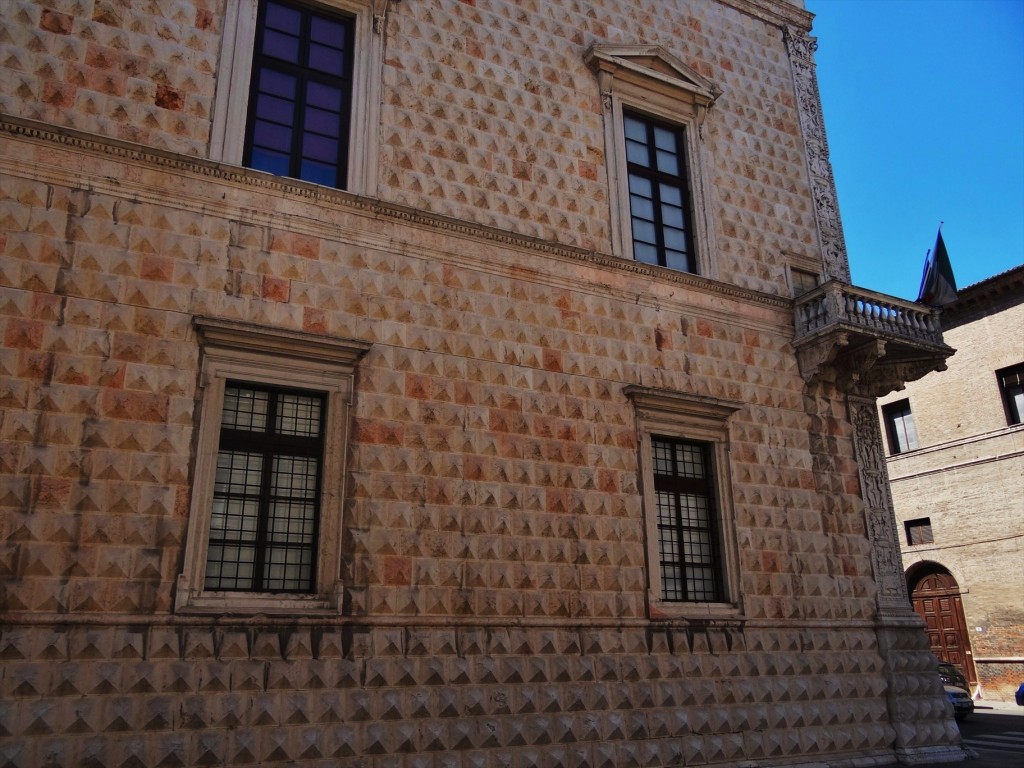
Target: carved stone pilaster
x=801, y=49
x=881, y=517
x=918, y=713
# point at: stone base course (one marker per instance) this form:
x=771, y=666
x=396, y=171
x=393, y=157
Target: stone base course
x=267, y=694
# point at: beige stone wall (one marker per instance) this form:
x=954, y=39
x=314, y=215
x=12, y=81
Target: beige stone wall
x=494, y=568
x=489, y=422
x=126, y=71
x=963, y=401
x=517, y=122
x=968, y=478
x=489, y=112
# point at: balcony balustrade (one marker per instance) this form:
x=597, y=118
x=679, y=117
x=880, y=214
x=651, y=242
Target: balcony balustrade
x=836, y=303
x=866, y=342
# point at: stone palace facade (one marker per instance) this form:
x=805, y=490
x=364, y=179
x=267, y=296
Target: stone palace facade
x=434, y=383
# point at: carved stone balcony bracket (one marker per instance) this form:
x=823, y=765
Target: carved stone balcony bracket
x=867, y=343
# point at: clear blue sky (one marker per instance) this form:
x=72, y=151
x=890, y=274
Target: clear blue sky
x=924, y=111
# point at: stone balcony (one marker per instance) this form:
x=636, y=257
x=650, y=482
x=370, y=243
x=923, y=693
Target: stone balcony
x=867, y=343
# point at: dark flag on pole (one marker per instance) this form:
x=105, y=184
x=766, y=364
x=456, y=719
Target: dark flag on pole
x=938, y=286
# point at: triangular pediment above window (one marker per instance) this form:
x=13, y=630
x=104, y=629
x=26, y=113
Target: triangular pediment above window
x=653, y=64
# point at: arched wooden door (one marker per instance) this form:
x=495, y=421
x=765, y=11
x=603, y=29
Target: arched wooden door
x=936, y=598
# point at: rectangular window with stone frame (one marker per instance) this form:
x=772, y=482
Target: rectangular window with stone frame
x=1011, y=387
x=693, y=566
x=298, y=90
x=659, y=195
x=264, y=532
x=655, y=111
x=899, y=427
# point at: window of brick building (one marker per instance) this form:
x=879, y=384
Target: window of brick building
x=298, y=91
x=899, y=427
x=659, y=201
x=266, y=495
x=1011, y=386
x=803, y=281
x=688, y=548
x=264, y=531
x=655, y=108
x=685, y=482
x=918, y=531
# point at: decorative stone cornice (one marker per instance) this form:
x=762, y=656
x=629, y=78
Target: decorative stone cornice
x=232, y=334
x=780, y=13
x=338, y=199
x=654, y=65
x=652, y=401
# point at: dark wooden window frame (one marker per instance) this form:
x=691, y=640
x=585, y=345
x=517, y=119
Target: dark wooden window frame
x=304, y=75
x=898, y=415
x=672, y=533
x=269, y=444
x=1011, y=384
x=660, y=179
x=919, y=531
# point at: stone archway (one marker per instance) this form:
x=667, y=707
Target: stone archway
x=936, y=598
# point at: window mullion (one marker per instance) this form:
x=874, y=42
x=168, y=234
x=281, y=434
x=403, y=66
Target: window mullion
x=301, y=88
x=269, y=451
x=680, y=534
x=659, y=221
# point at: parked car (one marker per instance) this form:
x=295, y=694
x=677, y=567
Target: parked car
x=952, y=676
x=963, y=704
x=1019, y=696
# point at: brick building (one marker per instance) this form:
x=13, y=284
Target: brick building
x=436, y=383
x=955, y=446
